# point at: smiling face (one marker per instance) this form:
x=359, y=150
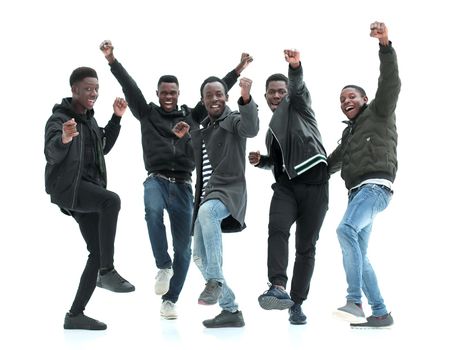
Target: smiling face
x=168, y=95
x=214, y=99
x=351, y=101
x=85, y=93
x=275, y=92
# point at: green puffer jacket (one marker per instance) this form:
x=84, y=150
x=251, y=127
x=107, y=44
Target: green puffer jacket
x=368, y=145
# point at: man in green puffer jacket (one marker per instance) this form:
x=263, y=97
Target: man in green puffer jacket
x=368, y=163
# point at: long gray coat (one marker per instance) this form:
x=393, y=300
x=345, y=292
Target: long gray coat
x=225, y=141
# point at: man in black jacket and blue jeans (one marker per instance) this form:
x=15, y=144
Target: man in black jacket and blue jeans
x=298, y=161
x=75, y=178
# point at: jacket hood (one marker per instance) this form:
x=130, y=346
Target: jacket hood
x=65, y=107
x=182, y=112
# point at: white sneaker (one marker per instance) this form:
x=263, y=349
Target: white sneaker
x=168, y=310
x=162, y=281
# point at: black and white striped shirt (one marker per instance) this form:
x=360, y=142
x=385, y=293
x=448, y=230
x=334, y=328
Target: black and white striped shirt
x=206, y=169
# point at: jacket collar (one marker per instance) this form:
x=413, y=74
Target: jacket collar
x=182, y=112
x=207, y=120
x=352, y=121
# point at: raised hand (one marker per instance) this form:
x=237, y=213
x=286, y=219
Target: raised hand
x=244, y=62
x=379, y=30
x=180, y=129
x=107, y=48
x=293, y=57
x=254, y=157
x=246, y=84
x=119, y=106
x=69, y=131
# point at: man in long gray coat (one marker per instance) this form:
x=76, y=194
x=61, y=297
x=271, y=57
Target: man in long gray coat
x=220, y=198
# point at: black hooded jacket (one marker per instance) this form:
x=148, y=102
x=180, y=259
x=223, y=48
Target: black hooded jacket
x=82, y=158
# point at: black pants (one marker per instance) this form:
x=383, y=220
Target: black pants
x=307, y=206
x=96, y=212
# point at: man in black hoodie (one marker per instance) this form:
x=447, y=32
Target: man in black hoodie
x=301, y=194
x=169, y=162
x=75, y=178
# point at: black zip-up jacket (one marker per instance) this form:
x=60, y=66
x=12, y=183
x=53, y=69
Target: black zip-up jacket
x=163, y=151
x=293, y=126
x=66, y=162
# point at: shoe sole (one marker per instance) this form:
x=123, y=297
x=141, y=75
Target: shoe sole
x=298, y=323
x=346, y=316
x=169, y=317
x=359, y=326
x=273, y=303
x=85, y=328
x=115, y=290
x=204, y=302
x=225, y=325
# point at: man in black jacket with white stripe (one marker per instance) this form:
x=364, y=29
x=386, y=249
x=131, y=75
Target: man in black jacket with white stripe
x=298, y=160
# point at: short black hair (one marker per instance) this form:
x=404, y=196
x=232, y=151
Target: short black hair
x=356, y=87
x=168, y=79
x=276, y=77
x=213, y=79
x=80, y=73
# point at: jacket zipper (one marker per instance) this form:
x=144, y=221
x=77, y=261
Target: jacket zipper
x=77, y=180
x=281, y=150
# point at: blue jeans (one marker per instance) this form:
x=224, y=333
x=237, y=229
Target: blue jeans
x=207, y=248
x=177, y=199
x=353, y=234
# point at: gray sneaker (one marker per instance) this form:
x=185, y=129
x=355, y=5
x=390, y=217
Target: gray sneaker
x=81, y=321
x=384, y=321
x=114, y=282
x=211, y=293
x=275, y=298
x=351, y=312
x=225, y=319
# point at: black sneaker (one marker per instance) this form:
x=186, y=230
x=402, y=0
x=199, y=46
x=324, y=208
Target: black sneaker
x=211, y=293
x=296, y=315
x=384, y=321
x=275, y=298
x=225, y=319
x=114, y=282
x=81, y=321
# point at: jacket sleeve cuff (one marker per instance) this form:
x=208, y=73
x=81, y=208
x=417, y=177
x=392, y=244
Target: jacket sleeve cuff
x=241, y=101
x=295, y=69
x=386, y=49
x=116, y=119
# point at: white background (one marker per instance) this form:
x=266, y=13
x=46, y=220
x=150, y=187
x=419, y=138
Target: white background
x=42, y=253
